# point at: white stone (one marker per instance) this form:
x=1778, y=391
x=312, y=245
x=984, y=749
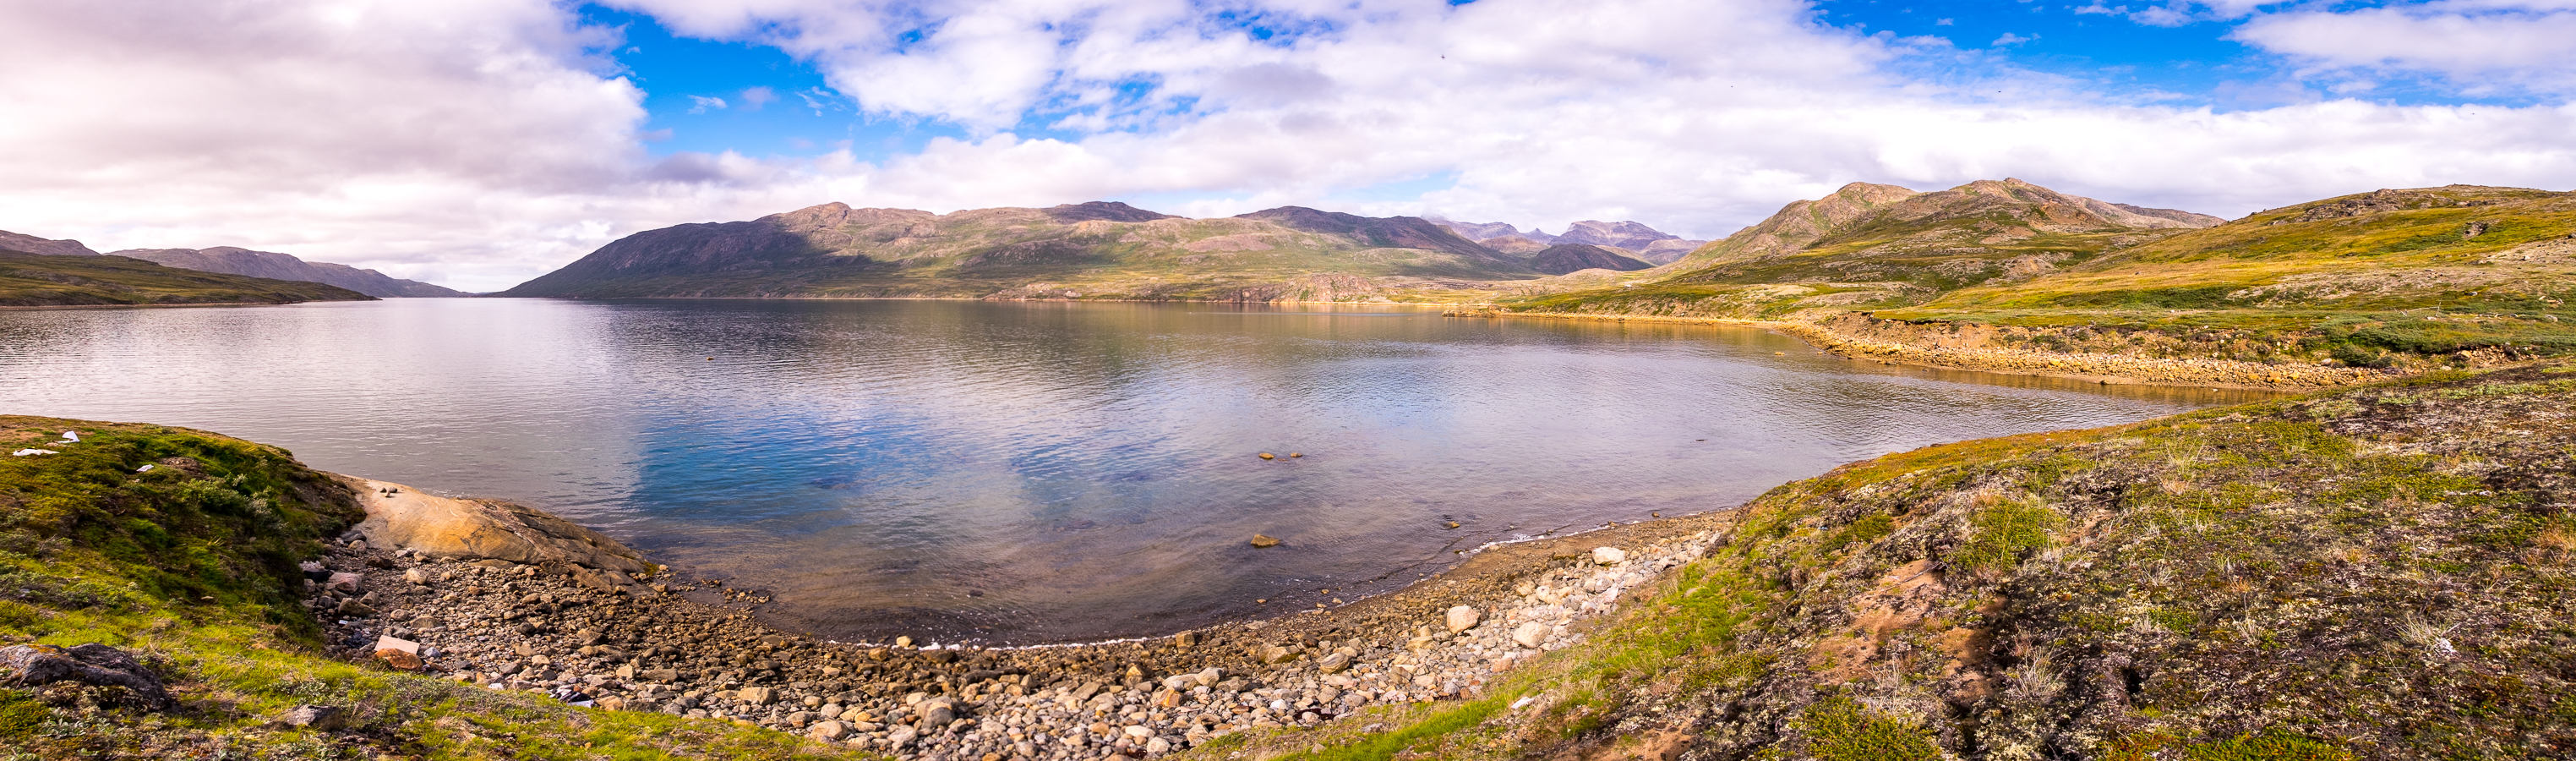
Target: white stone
x=1609, y=555
x=1531, y=634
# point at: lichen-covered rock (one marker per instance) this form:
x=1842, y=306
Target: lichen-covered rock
x=91, y=664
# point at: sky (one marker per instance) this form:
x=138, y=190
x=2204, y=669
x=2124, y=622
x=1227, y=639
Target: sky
x=479, y=143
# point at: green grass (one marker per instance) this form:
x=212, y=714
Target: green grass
x=1841, y=729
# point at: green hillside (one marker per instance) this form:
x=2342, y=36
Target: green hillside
x=2389, y=277
x=38, y=280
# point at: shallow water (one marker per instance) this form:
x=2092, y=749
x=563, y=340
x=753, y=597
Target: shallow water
x=1029, y=472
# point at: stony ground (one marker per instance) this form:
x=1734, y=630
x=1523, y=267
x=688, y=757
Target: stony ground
x=646, y=647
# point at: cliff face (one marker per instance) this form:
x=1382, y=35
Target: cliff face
x=276, y=266
x=1091, y=250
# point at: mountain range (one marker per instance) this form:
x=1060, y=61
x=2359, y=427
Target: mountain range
x=228, y=260
x=276, y=266
x=1634, y=239
x=1089, y=250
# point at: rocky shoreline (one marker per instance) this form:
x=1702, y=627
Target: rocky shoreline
x=2103, y=368
x=630, y=640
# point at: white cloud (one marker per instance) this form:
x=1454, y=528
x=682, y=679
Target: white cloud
x=755, y=97
x=705, y=104
x=481, y=139
x=2508, y=45
x=2009, y=39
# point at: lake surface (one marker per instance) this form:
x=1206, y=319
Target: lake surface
x=1029, y=472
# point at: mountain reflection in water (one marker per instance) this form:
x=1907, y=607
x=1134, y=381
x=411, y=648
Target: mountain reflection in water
x=1024, y=472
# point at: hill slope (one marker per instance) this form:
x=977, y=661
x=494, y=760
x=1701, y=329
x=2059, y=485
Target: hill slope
x=2377, y=573
x=25, y=243
x=276, y=266
x=39, y=280
x=1092, y=250
x=2458, y=275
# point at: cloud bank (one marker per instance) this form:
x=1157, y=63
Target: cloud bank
x=479, y=143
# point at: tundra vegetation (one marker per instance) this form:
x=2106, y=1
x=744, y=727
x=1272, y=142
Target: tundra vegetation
x=2400, y=279
x=2375, y=573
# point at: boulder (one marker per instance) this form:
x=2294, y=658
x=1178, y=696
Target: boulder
x=402, y=654
x=92, y=664
x=1609, y=555
x=481, y=529
x=1462, y=618
x=1531, y=634
x=759, y=696
x=315, y=717
x=828, y=731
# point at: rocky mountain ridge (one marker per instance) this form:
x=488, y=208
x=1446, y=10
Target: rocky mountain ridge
x=232, y=260
x=1634, y=239
x=1090, y=250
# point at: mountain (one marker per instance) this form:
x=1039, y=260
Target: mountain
x=1563, y=258
x=1635, y=239
x=24, y=243
x=93, y=280
x=1886, y=245
x=1097, y=250
x=1648, y=243
x=2454, y=275
x=276, y=266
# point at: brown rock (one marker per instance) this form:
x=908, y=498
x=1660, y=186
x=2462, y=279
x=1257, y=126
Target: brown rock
x=1264, y=540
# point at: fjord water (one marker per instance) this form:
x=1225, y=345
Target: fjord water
x=1026, y=472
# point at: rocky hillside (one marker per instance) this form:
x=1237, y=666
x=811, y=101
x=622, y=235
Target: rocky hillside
x=276, y=266
x=1093, y=250
x=35, y=280
x=2380, y=573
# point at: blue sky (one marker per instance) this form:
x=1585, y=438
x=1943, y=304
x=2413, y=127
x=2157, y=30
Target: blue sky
x=712, y=96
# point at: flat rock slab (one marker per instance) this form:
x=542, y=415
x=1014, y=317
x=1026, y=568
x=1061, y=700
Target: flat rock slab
x=403, y=517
